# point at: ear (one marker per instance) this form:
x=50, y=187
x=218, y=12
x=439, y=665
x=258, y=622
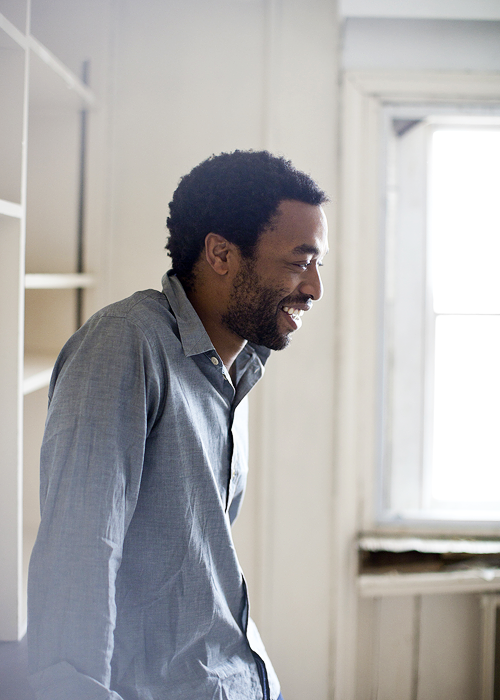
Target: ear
x=219, y=253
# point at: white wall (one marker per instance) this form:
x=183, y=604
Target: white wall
x=196, y=78
x=179, y=80
x=187, y=82
x=193, y=78
x=426, y=9
x=412, y=647
x=420, y=44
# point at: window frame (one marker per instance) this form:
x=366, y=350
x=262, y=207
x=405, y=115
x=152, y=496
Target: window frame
x=409, y=318
x=362, y=213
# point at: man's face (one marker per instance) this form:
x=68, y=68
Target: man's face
x=272, y=289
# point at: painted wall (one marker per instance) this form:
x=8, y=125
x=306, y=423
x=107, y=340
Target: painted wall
x=423, y=9
x=177, y=81
x=182, y=80
x=420, y=44
x=192, y=78
x=408, y=647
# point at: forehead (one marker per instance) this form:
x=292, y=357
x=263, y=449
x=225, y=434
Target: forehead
x=297, y=229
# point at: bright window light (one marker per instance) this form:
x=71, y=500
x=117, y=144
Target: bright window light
x=464, y=222
x=464, y=246
x=466, y=426
x=440, y=423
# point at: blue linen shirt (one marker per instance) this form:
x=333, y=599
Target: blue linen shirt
x=135, y=591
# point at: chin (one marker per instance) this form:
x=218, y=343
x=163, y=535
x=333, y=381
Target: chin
x=279, y=343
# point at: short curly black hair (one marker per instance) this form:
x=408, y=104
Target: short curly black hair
x=234, y=195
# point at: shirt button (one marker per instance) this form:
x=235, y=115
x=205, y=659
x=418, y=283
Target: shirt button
x=215, y=361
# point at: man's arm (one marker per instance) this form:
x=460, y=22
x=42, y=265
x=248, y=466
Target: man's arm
x=104, y=396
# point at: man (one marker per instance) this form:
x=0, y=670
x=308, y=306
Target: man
x=135, y=589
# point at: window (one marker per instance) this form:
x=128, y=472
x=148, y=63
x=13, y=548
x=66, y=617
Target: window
x=440, y=358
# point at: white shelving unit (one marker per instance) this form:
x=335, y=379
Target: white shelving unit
x=37, y=372
x=40, y=129
x=11, y=209
x=72, y=280
x=38, y=366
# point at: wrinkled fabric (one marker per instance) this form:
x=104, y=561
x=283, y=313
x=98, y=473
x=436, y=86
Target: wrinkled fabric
x=135, y=591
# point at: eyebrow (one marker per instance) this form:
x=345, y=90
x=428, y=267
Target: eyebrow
x=307, y=249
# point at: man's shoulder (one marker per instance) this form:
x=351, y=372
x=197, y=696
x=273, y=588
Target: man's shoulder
x=147, y=313
x=143, y=304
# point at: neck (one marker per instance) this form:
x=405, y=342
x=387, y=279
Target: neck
x=227, y=344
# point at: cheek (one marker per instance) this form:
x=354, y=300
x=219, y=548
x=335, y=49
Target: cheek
x=289, y=284
x=282, y=290
x=286, y=280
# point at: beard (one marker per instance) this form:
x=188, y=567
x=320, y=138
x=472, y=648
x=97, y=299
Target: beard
x=254, y=308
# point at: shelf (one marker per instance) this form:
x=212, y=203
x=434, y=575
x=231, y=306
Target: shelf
x=29, y=537
x=74, y=280
x=49, y=92
x=37, y=372
x=12, y=31
x=45, y=108
x=75, y=85
x=433, y=583
x=11, y=209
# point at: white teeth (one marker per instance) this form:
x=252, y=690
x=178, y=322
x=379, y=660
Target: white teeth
x=293, y=312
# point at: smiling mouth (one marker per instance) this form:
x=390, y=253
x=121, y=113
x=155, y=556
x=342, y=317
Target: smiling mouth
x=293, y=316
x=296, y=314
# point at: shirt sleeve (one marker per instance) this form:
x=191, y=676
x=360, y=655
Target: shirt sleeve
x=103, y=399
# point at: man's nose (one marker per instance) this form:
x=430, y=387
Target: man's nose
x=312, y=284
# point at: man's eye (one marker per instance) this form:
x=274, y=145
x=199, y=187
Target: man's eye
x=305, y=265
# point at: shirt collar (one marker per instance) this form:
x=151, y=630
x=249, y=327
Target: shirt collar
x=194, y=338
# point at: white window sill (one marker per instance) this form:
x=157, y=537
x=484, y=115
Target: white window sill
x=469, y=565
x=395, y=584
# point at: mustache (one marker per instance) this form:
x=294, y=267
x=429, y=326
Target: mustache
x=302, y=299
